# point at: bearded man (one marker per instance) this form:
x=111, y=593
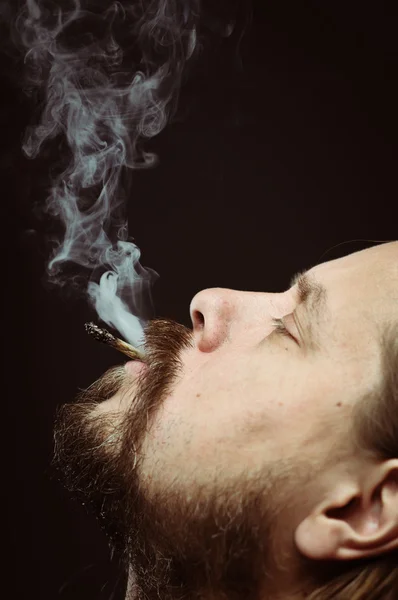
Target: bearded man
x=256, y=456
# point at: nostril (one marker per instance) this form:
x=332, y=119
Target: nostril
x=198, y=320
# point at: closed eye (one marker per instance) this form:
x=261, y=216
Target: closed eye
x=281, y=329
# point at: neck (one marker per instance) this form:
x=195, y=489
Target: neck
x=131, y=592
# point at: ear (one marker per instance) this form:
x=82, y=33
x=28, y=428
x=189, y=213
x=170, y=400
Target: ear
x=359, y=520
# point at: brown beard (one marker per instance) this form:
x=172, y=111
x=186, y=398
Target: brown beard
x=212, y=541
x=94, y=450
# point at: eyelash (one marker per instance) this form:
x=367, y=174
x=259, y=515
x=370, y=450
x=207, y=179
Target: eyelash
x=280, y=328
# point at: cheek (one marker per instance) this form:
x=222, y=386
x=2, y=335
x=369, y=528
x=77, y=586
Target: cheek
x=218, y=414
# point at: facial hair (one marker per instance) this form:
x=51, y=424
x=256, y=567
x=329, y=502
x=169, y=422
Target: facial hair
x=95, y=450
x=214, y=540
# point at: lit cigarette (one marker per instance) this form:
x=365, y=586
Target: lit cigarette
x=102, y=335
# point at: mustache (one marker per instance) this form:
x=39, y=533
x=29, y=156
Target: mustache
x=165, y=340
x=166, y=337
x=93, y=450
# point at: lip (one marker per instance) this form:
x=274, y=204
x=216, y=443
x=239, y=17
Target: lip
x=135, y=367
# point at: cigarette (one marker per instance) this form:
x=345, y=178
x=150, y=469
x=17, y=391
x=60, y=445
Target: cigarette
x=103, y=335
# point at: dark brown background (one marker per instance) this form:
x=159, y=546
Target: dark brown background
x=283, y=156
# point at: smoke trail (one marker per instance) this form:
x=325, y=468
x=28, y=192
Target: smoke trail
x=111, y=73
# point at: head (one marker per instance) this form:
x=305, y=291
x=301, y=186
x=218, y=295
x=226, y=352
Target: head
x=244, y=461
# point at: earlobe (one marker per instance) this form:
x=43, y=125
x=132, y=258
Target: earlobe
x=318, y=537
x=357, y=523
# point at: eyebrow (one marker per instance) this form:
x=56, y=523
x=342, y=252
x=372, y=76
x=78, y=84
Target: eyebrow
x=312, y=296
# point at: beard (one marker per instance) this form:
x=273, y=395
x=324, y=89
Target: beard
x=96, y=452
x=214, y=540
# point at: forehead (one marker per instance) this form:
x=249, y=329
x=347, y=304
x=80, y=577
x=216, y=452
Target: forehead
x=364, y=283
x=381, y=254
x=377, y=265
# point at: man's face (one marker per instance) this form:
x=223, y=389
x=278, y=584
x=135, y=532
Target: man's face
x=233, y=426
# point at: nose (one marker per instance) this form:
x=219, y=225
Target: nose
x=211, y=313
x=220, y=315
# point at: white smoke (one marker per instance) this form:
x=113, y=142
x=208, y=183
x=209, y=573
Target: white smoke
x=109, y=73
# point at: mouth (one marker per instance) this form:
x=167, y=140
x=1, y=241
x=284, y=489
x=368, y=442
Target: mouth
x=135, y=367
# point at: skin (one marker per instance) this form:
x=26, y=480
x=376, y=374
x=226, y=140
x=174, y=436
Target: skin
x=246, y=401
